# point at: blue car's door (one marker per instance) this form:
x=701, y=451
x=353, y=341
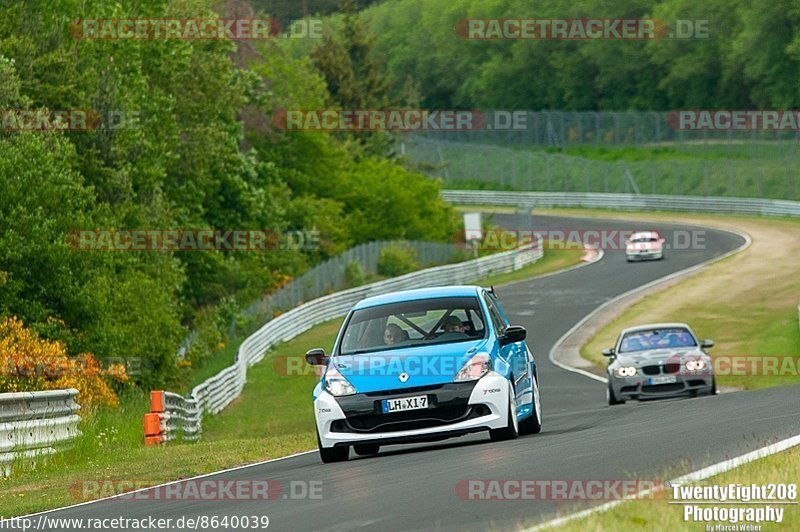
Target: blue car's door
x=518, y=358
x=514, y=354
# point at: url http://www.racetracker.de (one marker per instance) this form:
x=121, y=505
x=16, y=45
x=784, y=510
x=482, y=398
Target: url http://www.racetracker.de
x=200, y=522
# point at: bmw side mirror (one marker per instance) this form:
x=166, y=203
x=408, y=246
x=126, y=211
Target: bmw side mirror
x=608, y=352
x=707, y=343
x=513, y=334
x=316, y=357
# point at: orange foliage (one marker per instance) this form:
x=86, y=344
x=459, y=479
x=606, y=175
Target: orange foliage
x=30, y=363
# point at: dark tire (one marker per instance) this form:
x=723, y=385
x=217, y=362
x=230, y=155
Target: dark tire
x=713, y=386
x=511, y=430
x=533, y=424
x=612, y=399
x=366, y=449
x=329, y=455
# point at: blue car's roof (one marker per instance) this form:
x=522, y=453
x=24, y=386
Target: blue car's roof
x=420, y=293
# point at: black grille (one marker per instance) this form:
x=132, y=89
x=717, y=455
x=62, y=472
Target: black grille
x=672, y=368
x=412, y=419
x=651, y=370
x=405, y=391
x=662, y=388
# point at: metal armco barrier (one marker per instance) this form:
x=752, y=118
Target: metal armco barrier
x=220, y=390
x=172, y=417
x=633, y=202
x=36, y=423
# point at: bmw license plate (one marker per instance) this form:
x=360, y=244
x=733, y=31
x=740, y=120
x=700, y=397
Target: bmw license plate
x=667, y=379
x=404, y=403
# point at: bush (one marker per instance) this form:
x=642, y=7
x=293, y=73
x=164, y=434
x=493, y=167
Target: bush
x=29, y=363
x=397, y=260
x=354, y=274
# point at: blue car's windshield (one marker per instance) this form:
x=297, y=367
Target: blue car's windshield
x=656, y=339
x=413, y=323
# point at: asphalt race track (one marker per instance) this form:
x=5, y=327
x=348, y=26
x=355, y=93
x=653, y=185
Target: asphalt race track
x=414, y=487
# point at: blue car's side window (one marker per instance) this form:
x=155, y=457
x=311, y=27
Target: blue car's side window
x=495, y=317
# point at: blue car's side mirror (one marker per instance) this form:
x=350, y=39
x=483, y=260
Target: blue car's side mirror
x=513, y=334
x=316, y=357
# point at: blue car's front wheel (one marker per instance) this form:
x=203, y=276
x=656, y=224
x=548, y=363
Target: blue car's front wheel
x=329, y=455
x=511, y=430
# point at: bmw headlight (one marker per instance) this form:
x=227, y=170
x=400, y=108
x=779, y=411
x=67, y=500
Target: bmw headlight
x=336, y=384
x=475, y=368
x=695, y=365
x=626, y=371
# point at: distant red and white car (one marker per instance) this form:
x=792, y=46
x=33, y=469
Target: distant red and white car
x=644, y=245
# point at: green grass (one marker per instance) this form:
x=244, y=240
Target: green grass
x=656, y=170
x=657, y=514
x=677, y=151
x=212, y=365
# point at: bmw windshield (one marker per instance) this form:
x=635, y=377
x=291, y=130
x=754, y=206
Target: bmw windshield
x=673, y=337
x=413, y=323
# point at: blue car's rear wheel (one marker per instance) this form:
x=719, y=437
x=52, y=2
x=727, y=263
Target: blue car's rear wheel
x=533, y=423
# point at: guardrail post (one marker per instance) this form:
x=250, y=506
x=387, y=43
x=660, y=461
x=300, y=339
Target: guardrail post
x=152, y=425
x=152, y=429
x=157, y=403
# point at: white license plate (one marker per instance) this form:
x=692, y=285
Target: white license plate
x=667, y=379
x=404, y=403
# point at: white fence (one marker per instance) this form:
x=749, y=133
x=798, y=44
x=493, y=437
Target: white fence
x=217, y=392
x=633, y=202
x=36, y=423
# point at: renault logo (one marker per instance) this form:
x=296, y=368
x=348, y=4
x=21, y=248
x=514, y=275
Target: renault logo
x=403, y=377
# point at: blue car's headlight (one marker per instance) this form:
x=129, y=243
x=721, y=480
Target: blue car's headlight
x=336, y=384
x=475, y=368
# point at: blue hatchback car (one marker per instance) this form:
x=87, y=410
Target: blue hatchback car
x=424, y=365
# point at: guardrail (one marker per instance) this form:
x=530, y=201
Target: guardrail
x=36, y=423
x=171, y=418
x=219, y=391
x=638, y=202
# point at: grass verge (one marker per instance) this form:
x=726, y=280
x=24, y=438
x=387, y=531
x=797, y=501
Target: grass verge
x=657, y=514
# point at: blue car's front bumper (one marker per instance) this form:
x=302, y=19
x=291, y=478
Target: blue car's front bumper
x=454, y=408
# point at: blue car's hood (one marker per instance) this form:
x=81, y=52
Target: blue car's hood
x=424, y=366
